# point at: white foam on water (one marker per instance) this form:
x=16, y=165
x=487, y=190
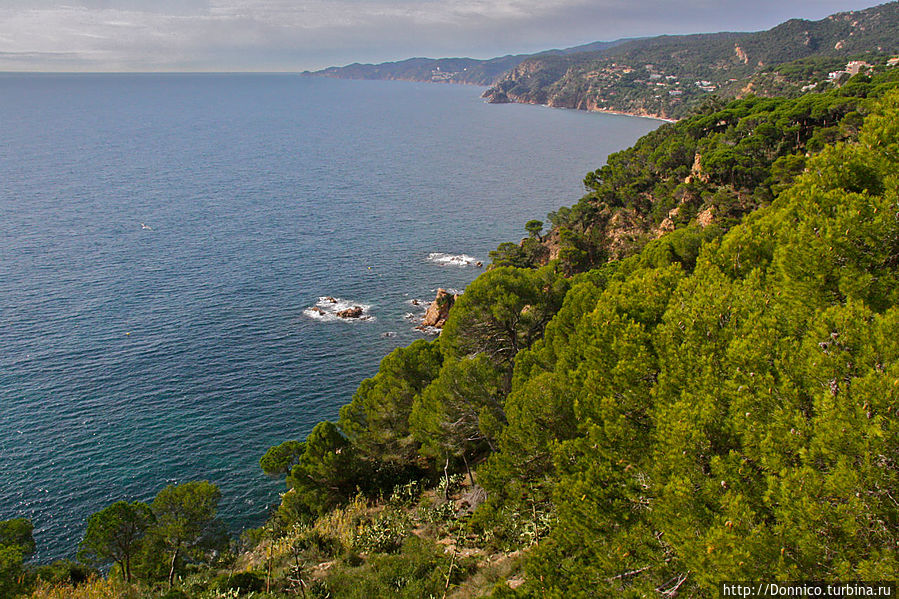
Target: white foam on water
x=327, y=307
x=449, y=290
x=452, y=259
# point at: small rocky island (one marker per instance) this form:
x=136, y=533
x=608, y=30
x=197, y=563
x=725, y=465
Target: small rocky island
x=354, y=312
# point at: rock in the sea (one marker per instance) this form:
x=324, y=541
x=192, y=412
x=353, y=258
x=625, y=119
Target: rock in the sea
x=318, y=310
x=331, y=300
x=354, y=312
x=439, y=309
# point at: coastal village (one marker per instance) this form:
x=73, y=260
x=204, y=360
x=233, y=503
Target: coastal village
x=653, y=90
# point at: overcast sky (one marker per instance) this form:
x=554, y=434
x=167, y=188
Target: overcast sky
x=290, y=35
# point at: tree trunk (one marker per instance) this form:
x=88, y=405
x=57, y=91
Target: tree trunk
x=446, y=479
x=268, y=572
x=468, y=469
x=172, y=569
x=123, y=568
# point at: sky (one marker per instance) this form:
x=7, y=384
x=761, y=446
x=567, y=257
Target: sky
x=295, y=35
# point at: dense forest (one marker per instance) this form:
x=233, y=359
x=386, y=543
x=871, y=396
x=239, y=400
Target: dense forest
x=692, y=376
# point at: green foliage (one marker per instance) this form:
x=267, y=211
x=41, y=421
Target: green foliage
x=244, y=583
x=153, y=562
x=384, y=534
x=509, y=254
x=534, y=227
x=376, y=422
x=419, y=569
x=64, y=572
x=17, y=533
x=114, y=534
x=327, y=473
x=406, y=494
x=16, y=543
x=502, y=312
x=12, y=575
x=681, y=246
x=186, y=521
x=459, y=412
x=449, y=485
x=733, y=423
x=722, y=163
x=278, y=460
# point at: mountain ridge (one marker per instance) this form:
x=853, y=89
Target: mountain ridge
x=463, y=70
x=667, y=76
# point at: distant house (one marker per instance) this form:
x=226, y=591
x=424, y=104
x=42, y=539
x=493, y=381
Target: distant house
x=854, y=67
x=893, y=61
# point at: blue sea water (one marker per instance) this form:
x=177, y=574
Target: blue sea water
x=162, y=238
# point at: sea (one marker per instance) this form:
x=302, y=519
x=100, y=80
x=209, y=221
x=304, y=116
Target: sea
x=164, y=239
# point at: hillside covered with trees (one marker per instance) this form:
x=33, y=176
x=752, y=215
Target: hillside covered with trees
x=668, y=76
x=450, y=70
x=692, y=377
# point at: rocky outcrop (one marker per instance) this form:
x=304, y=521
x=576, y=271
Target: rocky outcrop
x=706, y=217
x=696, y=172
x=354, y=312
x=439, y=309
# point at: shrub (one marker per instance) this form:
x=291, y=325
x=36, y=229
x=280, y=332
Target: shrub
x=420, y=569
x=243, y=582
x=384, y=534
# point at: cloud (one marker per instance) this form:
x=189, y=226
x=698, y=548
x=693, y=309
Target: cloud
x=292, y=35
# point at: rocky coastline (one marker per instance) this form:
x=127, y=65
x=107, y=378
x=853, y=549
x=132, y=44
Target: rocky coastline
x=494, y=95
